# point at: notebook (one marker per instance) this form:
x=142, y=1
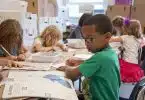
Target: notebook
x=38, y=84
x=83, y=56
x=76, y=43
x=45, y=57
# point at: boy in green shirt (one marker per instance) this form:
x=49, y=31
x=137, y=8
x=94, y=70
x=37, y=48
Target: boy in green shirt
x=102, y=69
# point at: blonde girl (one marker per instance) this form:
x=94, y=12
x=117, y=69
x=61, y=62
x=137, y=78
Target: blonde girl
x=118, y=23
x=48, y=40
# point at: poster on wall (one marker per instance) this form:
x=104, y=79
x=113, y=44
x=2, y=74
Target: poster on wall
x=30, y=29
x=43, y=23
x=86, y=8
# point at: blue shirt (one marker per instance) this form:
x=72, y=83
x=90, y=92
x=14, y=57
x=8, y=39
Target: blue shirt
x=76, y=33
x=13, y=52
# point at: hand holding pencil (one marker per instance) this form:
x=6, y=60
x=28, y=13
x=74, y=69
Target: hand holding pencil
x=9, y=56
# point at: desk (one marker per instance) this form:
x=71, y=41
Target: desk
x=66, y=55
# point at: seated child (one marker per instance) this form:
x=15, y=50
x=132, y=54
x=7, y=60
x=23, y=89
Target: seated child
x=102, y=69
x=129, y=65
x=48, y=40
x=118, y=30
x=11, y=39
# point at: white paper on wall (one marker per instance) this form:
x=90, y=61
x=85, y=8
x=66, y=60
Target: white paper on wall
x=43, y=23
x=30, y=29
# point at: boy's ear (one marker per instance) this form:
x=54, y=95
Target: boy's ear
x=108, y=35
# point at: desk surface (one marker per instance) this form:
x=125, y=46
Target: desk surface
x=66, y=55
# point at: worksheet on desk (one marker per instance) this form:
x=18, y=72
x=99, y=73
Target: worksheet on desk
x=39, y=84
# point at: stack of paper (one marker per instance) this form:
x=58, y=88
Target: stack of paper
x=39, y=84
x=45, y=57
x=76, y=43
x=82, y=56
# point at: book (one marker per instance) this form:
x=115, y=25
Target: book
x=50, y=84
x=82, y=56
x=45, y=57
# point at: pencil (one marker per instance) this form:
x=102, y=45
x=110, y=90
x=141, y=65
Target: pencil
x=7, y=53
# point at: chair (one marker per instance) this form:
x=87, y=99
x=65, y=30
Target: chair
x=138, y=92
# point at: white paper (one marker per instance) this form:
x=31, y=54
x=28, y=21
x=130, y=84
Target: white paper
x=45, y=57
x=76, y=43
x=82, y=56
x=57, y=65
x=39, y=84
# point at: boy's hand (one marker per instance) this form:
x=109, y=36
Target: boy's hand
x=62, y=68
x=74, y=62
x=14, y=64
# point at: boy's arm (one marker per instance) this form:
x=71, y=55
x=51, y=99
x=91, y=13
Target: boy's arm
x=72, y=73
x=87, y=69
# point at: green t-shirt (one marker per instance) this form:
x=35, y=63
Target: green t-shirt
x=102, y=72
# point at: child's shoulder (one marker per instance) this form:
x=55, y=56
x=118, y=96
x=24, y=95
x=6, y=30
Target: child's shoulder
x=105, y=54
x=38, y=37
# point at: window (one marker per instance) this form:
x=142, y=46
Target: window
x=85, y=1
x=74, y=10
x=99, y=6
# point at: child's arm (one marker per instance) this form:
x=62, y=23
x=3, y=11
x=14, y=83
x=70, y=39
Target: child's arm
x=73, y=62
x=22, y=53
x=9, y=63
x=62, y=46
x=39, y=48
x=116, y=39
x=23, y=50
x=9, y=57
x=3, y=61
x=72, y=73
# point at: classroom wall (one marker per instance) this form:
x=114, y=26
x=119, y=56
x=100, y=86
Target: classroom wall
x=13, y=9
x=111, y=2
x=13, y=5
x=47, y=8
x=32, y=6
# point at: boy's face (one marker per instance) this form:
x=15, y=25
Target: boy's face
x=94, y=40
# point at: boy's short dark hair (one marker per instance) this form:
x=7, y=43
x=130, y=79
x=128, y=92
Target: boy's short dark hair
x=102, y=22
x=84, y=17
